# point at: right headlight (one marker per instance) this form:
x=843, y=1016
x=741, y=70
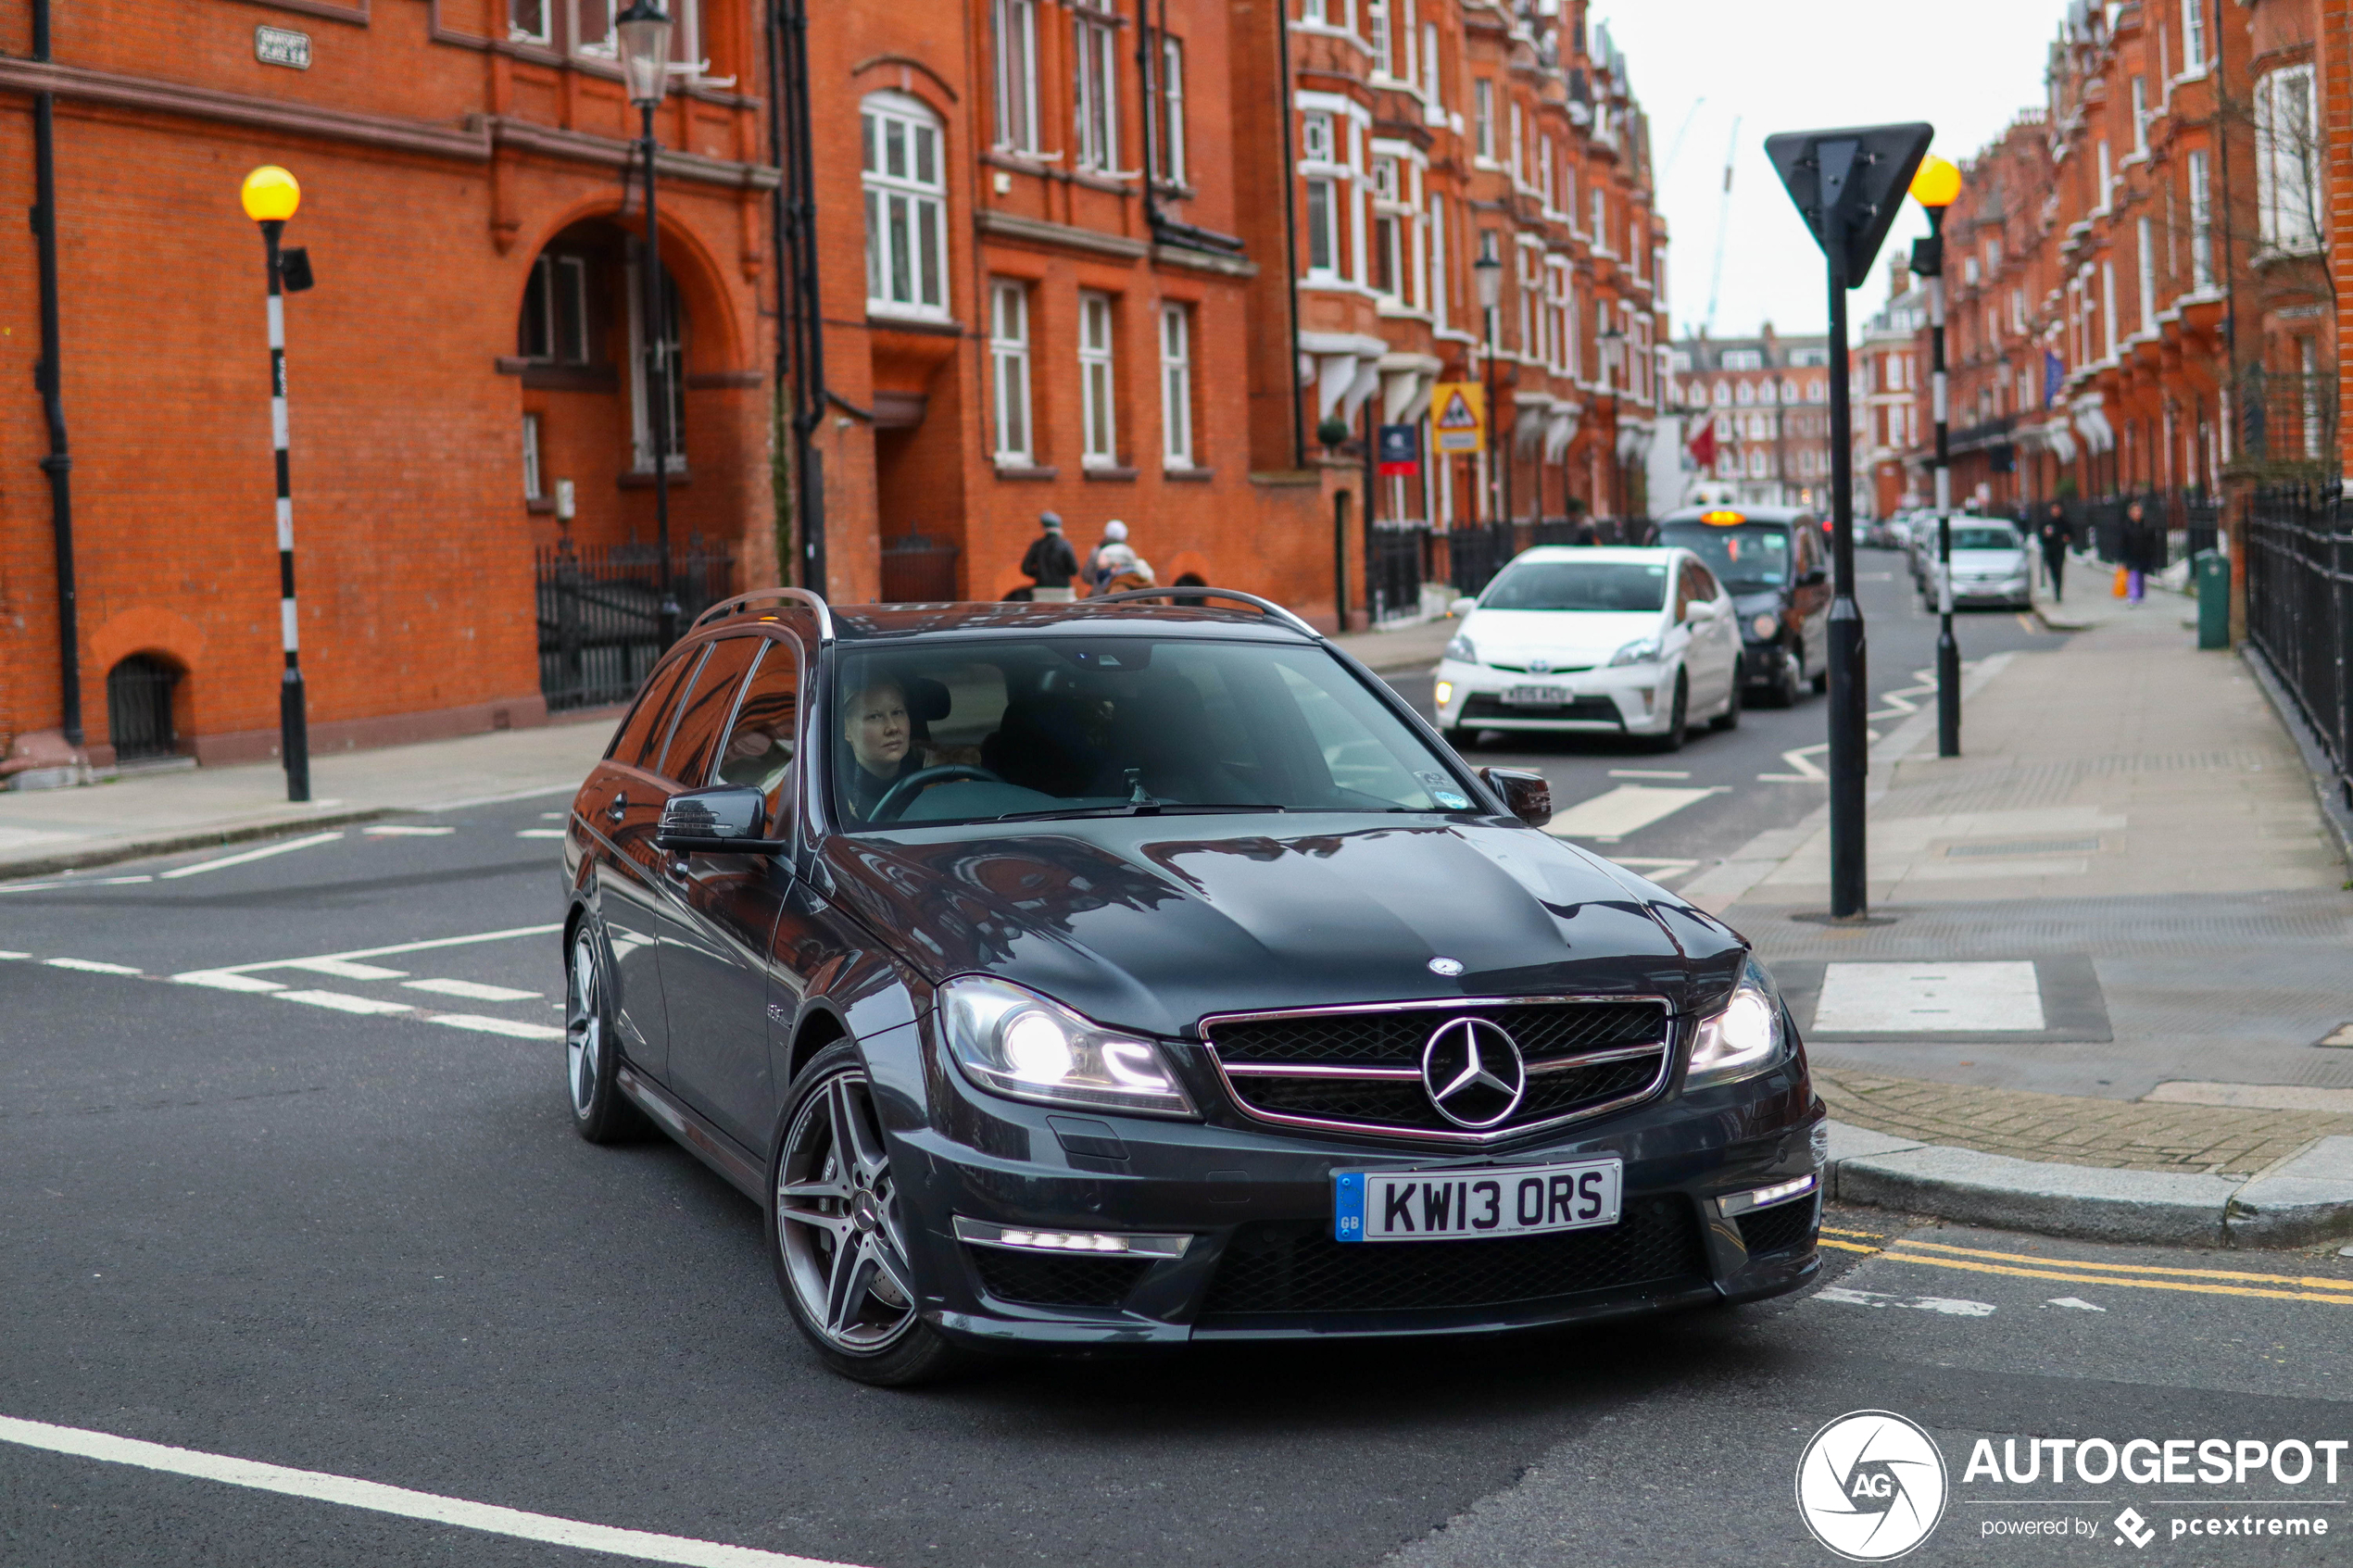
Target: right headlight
x=1642, y=650
x=1764, y=628
x=1744, y=1039
x=1014, y=1042
x=1463, y=648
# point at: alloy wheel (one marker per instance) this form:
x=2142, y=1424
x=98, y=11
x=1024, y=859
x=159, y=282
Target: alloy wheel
x=584, y=1023
x=839, y=1223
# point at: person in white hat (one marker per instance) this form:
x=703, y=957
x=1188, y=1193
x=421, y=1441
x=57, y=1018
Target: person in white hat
x=1099, y=564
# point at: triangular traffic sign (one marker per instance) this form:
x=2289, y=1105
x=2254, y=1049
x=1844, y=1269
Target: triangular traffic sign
x=1862, y=173
x=1456, y=412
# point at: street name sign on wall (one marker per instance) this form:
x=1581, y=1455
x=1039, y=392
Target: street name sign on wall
x=1399, y=449
x=1458, y=418
x=281, y=46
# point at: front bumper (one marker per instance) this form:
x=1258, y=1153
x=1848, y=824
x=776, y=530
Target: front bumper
x=1629, y=699
x=2003, y=591
x=1254, y=1206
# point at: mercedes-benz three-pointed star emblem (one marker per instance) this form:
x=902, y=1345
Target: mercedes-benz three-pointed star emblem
x=1473, y=1072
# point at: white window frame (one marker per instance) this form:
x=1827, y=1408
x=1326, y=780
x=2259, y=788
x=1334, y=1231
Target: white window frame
x=1098, y=383
x=641, y=426
x=1512, y=157
x=518, y=33
x=2144, y=242
x=1170, y=143
x=533, y=486
x=2107, y=179
x=1015, y=26
x=1095, y=95
x=1430, y=64
x=1600, y=222
x=1323, y=227
x=2201, y=223
x=1383, y=40
x=1009, y=371
x=1484, y=118
x=1317, y=126
x=598, y=44
x=1527, y=292
x=888, y=195
x=2193, y=37
x=1177, y=387
x=2108, y=306
x=1436, y=236
x=2286, y=167
x=2140, y=116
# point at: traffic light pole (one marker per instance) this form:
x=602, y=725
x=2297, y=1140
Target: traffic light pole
x=1948, y=652
x=1850, y=739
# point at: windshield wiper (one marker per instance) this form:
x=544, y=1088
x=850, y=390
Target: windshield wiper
x=1141, y=808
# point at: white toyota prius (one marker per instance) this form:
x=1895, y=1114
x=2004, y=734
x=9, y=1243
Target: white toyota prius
x=1638, y=642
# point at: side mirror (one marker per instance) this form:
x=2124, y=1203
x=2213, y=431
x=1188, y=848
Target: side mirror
x=1462, y=607
x=723, y=820
x=1527, y=795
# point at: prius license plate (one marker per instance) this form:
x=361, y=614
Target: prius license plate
x=1537, y=697
x=1461, y=1205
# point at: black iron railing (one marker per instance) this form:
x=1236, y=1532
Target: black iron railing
x=600, y=615
x=918, y=569
x=1393, y=567
x=2299, y=603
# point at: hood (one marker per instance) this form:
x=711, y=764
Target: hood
x=1146, y=923
x=1566, y=636
x=2006, y=559
x=1763, y=601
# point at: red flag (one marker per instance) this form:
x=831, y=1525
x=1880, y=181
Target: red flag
x=1702, y=445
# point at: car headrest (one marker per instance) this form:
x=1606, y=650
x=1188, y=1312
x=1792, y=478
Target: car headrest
x=926, y=698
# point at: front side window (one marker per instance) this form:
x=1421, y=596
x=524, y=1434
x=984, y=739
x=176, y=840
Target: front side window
x=1096, y=392
x=1177, y=387
x=1097, y=100
x=1015, y=22
x=1119, y=726
x=1009, y=367
x=763, y=737
x=906, y=190
x=693, y=751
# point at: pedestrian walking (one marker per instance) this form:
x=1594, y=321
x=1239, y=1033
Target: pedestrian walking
x=2054, y=537
x=1099, y=570
x=2137, y=552
x=1050, y=563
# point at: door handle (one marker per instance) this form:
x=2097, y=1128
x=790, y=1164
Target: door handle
x=620, y=807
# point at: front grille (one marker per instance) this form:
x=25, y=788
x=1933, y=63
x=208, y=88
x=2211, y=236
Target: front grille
x=1046, y=1279
x=1581, y=1057
x=1295, y=1266
x=1778, y=1229
x=1595, y=710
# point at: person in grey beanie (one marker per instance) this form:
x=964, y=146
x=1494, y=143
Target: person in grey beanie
x=1050, y=563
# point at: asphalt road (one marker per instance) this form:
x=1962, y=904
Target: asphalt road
x=334, y=1219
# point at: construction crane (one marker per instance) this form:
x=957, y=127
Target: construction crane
x=1723, y=227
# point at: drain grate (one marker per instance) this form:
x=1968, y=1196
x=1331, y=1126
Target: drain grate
x=2026, y=847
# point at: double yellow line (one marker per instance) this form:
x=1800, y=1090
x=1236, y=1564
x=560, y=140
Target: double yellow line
x=2075, y=1270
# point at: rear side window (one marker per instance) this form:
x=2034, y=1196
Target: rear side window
x=709, y=702
x=638, y=741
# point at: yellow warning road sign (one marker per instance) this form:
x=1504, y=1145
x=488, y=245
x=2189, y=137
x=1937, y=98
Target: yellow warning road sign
x=1458, y=416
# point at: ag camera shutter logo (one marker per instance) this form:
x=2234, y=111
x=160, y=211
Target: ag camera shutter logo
x=1871, y=1486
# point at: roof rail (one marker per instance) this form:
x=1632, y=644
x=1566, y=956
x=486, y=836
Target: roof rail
x=1192, y=591
x=743, y=602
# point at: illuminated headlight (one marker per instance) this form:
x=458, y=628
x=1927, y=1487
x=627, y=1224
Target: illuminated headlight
x=1444, y=692
x=1642, y=650
x=1764, y=628
x=1733, y=1203
x=1120, y=1244
x=1018, y=1044
x=1462, y=649
x=1744, y=1039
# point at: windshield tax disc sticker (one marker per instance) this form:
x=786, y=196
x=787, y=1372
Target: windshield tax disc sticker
x=1871, y=1486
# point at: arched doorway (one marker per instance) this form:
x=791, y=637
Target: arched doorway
x=140, y=690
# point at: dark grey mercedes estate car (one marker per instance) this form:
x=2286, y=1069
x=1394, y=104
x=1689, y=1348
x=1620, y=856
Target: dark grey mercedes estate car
x=1144, y=971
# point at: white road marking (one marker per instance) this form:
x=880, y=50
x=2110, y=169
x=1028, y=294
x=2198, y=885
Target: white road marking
x=539, y=832
x=2077, y=1302
x=1648, y=773
x=1657, y=870
x=378, y=1498
x=2253, y=1097
x=343, y=1003
x=344, y=969
x=553, y=816
x=532, y=793
x=429, y=943
x=222, y=980
x=6, y=956
x=261, y=854
x=94, y=966
x=1802, y=768
x=85, y=881
x=1948, y=1305
x=1627, y=810
x=395, y=831
x=1921, y=997
x=473, y=990
x=487, y=1025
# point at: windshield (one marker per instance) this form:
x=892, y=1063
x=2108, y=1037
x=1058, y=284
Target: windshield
x=1980, y=537
x=1577, y=585
x=1058, y=727
x=1747, y=556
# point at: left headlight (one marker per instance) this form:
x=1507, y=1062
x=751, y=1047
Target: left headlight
x=1016, y=1042
x=1744, y=1039
x=1764, y=628
x=1642, y=650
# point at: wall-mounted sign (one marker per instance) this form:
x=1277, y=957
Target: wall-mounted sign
x=1458, y=416
x=281, y=46
x=1399, y=448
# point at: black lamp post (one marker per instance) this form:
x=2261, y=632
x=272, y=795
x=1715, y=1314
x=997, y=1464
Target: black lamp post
x=644, y=31
x=1612, y=342
x=270, y=197
x=1934, y=187
x=1488, y=273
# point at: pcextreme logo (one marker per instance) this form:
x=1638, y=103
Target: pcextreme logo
x=1870, y=1485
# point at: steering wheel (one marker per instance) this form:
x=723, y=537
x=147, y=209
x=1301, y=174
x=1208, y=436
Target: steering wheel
x=899, y=796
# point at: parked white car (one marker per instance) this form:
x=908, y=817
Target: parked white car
x=1638, y=642
x=1989, y=565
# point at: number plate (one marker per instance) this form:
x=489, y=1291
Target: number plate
x=1468, y=1204
x=1538, y=696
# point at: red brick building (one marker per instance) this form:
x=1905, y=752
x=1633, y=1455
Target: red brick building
x=1767, y=398
x=1114, y=261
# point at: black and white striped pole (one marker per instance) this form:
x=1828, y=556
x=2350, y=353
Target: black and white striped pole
x=270, y=197
x=1935, y=186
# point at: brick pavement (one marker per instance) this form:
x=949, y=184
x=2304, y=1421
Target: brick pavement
x=2072, y=1130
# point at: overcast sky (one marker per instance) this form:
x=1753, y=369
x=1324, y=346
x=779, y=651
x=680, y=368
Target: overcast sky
x=1803, y=65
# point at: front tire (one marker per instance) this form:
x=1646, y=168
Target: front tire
x=837, y=1229
x=1679, y=723
x=600, y=1112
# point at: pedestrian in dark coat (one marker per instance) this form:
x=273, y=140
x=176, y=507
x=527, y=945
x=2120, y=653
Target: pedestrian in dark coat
x=1050, y=563
x=2054, y=537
